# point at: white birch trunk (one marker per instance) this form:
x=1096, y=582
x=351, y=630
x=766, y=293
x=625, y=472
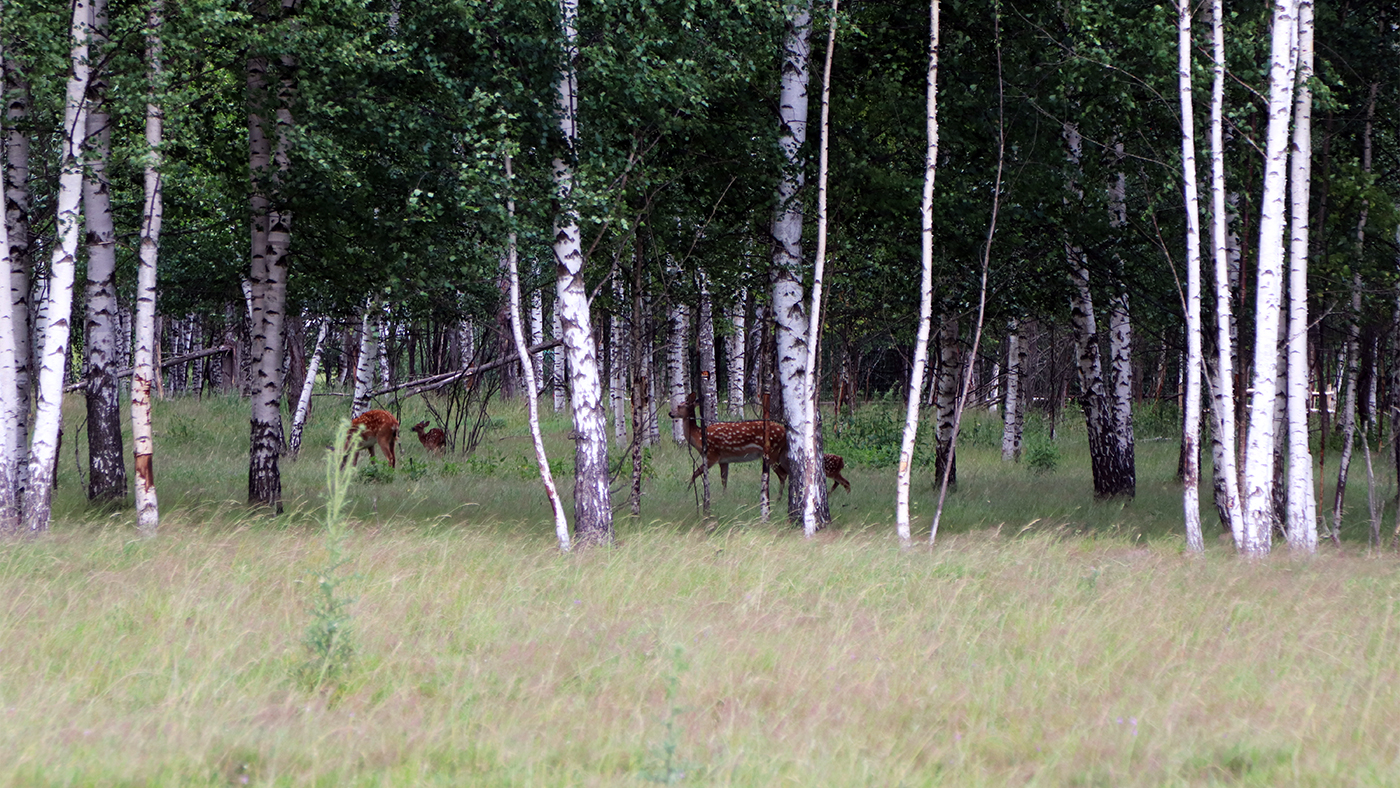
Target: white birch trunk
x=1191, y=438
x=557, y=371
x=734, y=352
x=617, y=377
x=382, y=330
x=143, y=353
x=1346, y=418
x=1259, y=447
x=537, y=335
x=1011, y=418
x=10, y=446
x=789, y=314
x=1120, y=344
x=16, y=203
x=815, y=479
x=364, y=364
x=676, y=366
x=705, y=348
x=1302, y=504
x=43, y=457
x=106, y=460
x=916, y=376
x=532, y=401
x=592, y=499
x=1224, y=254
x=945, y=402
x=307, y=387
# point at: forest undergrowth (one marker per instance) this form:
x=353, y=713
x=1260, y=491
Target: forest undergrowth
x=1046, y=639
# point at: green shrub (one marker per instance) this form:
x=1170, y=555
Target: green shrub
x=1042, y=454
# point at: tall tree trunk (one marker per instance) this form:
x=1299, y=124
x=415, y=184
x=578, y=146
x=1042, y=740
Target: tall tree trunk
x=1011, y=429
x=106, y=459
x=364, y=363
x=592, y=499
x=1225, y=259
x=307, y=387
x=17, y=201
x=676, y=366
x=1302, y=505
x=815, y=512
x=705, y=347
x=735, y=355
x=789, y=312
x=269, y=166
x=618, y=377
x=43, y=457
x=537, y=335
x=532, y=399
x=1259, y=448
x=946, y=380
x=143, y=355
x=558, y=382
x=9, y=395
x=1191, y=432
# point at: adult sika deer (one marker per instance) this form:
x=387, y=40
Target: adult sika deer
x=732, y=441
x=374, y=427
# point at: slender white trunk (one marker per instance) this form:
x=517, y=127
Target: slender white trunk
x=815, y=480
x=1259, y=447
x=1346, y=418
x=592, y=500
x=307, y=387
x=1120, y=344
x=143, y=352
x=617, y=377
x=557, y=383
x=383, y=329
x=532, y=402
x=106, y=461
x=1302, y=504
x=43, y=457
x=9, y=394
x=916, y=376
x=676, y=366
x=734, y=352
x=364, y=363
x=789, y=313
x=1191, y=437
x=947, y=380
x=1224, y=254
x=1011, y=416
x=16, y=205
x=537, y=335
x=705, y=348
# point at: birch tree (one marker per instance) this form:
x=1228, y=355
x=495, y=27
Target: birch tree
x=1013, y=418
x=106, y=463
x=734, y=354
x=10, y=446
x=364, y=363
x=676, y=366
x=43, y=453
x=1259, y=447
x=1301, y=527
x=1191, y=439
x=152, y=213
x=789, y=314
x=17, y=204
x=592, y=499
x=1227, y=491
x=916, y=375
x=815, y=479
x=532, y=403
x=308, y=386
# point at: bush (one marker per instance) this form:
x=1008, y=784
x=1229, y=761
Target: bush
x=1042, y=454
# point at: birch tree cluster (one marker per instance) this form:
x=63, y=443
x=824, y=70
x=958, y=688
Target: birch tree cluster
x=269, y=199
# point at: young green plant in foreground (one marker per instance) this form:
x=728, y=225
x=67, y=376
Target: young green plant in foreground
x=327, y=639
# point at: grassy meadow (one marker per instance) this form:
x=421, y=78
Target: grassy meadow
x=1047, y=639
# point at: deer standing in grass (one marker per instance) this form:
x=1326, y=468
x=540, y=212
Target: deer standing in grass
x=732, y=441
x=832, y=465
x=371, y=428
x=433, y=440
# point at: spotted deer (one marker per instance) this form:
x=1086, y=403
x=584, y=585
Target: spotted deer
x=732, y=441
x=433, y=440
x=374, y=427
x=832, y=465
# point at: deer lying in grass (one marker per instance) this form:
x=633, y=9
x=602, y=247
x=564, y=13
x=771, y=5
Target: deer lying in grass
x=370, y=428
x=732, y=441
x=832, y=465
x=433, y=440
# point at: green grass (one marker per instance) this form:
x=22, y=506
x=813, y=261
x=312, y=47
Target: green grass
x=1047, y=639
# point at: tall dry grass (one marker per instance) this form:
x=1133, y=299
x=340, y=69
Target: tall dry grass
x=1048, y=640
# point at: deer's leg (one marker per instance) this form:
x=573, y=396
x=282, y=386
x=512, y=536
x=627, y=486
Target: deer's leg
x=724, y=475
